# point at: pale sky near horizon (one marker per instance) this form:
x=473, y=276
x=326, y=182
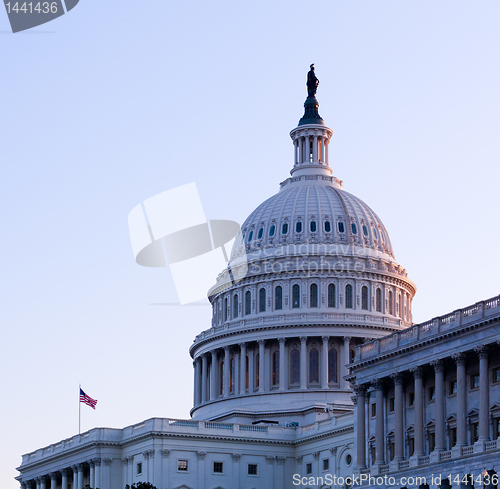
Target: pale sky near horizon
x=118, y=101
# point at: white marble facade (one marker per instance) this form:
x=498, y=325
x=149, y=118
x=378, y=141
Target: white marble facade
x=323, y=309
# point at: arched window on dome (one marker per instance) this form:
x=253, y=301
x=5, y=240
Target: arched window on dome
x=365, y=230
x=272, y=230
x=261, y=233
x=341, y=228
x=313, y=293
x=332, y=365
x=378, y=300
x=250, y=236
x=221, y=377
x=298, y=227
x=225, y=309
x=248, y=302
x=231, y=375
x=348, y=296
x=391, y=308
x=312, y=226
x=257, y=373
x=294, y=366
x=328, y=227
x=276, y=367
x=331, y=295
x=284, y=228
x=313, y=366
x=262, y=300
x=295, y=296
x=235, y=306
x=354, y=229
x=364, y=297
x=278, y=298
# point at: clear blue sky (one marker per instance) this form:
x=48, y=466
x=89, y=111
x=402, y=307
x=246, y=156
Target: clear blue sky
x=118, y=101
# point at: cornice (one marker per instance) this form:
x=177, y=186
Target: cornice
x=438, y=337
x=226, y=333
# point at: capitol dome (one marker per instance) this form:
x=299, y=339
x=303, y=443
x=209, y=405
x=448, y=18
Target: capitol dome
x=311, y=277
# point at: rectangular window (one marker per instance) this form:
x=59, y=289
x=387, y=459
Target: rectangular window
x=412, y=446
x=218, y=468
x=411, y=399
x=496, y=427
x=453, y=437
x=139, y=468
x=432, y=393
x=252, y=469
x=432, y=441
x=475, y=432
x=309, y=468
x=452, y=387
x=496, y=374
x=474, y=381
x=374, y=410
x=326, y=464
x=182, y=465
x=391, y=404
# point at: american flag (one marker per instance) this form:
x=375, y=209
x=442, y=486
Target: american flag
x=87, y=400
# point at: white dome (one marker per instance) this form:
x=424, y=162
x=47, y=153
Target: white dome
x=314, y=210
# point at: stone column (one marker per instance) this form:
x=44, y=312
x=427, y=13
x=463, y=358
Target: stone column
x=236, y=470
x=43, y=482
x=81, y=468
x=347, y=341
x=204, y=374
x=125, y=471
x=227, y=359
x=213, y=376
x=74, y=468
x=327, y=144
x=65, y=474
x=37, y=482
x=251, y=371
x=92, y=474
x=379, y=422
x=359, y=402
x=315, y=149
x=484, y=381
x=106, y=474
x=398, y=416
x=53, y=480
x=419, y=411
x=282, y=378
x=439, y=404
x=97, y=464
x=270, y=473
x=201, y=469
x=197, y=381
x=262, y=379
x=243, y=368
x=303, y=362
x=324, y=362
x=461, y=399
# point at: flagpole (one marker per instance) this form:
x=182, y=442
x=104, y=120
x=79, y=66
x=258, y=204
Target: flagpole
x=79, y=408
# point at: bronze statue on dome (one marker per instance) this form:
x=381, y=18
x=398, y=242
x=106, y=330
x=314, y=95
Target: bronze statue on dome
x=312, y=82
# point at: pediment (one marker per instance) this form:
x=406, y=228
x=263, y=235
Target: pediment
x=183, y=487
x=472, y=413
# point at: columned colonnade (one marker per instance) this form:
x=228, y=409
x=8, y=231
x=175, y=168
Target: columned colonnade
x=272, y=364
x=416, y=380
x=73, y=477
